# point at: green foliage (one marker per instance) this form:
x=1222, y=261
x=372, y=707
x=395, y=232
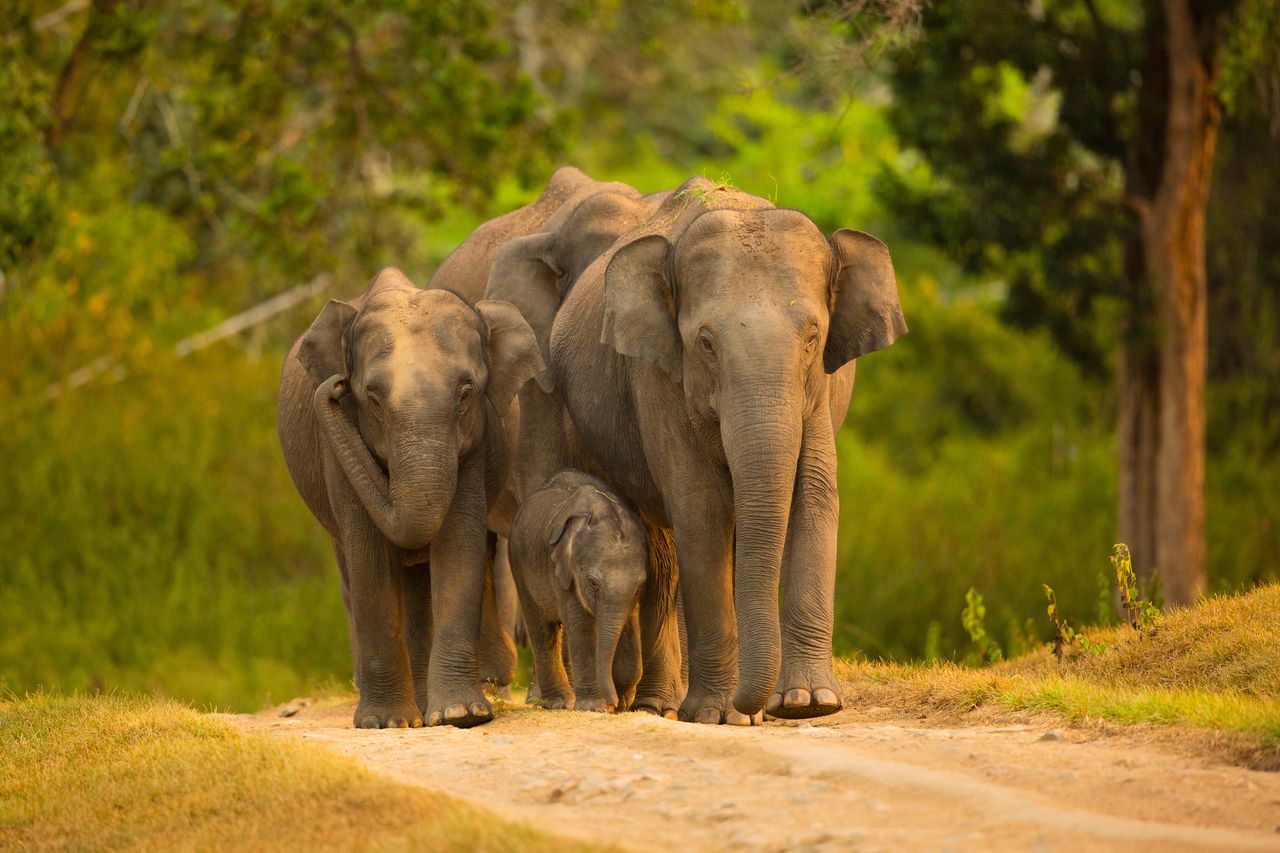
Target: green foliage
x=155, y=543
x=1140, y=611
x=973, y=618
x=1063, y=634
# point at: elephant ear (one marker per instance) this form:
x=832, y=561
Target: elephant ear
x=563, y=531
x=639, y=305
x=865, y=314
x=512, y=350
x=321, y=350
x=524, y=274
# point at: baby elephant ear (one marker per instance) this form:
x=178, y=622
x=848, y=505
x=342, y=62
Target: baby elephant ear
x=865, y=314
x=562, y=532
x=321, y=349
x=639, y=308
x=513, y=352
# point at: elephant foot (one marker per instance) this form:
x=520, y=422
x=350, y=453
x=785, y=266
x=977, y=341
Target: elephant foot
x=626, y=698
x=596, y=705
x=393, y=715
x=550, y=700
x=658, y=696
x=806, y=690
x=716, y=709
x=657, y=706
x=462, y=707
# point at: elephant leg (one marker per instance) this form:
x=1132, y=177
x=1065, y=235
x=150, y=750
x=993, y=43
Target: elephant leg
x=661, y=687
x=807, y=685
x=684, y=639
x=417, y=625
x=549, y=676
x=377, y=605
x=496, y=653
x=580, y=632
x=504, y=589
x=704, y=542
x=455, y=695
x=346, y=604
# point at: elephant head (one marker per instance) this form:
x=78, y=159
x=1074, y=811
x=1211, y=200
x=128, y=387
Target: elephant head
x=746, y=308
x=599, y=552
x=408, y=380
x=534, y=272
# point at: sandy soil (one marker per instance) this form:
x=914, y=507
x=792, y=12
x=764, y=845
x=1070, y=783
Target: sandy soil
x=857, y=780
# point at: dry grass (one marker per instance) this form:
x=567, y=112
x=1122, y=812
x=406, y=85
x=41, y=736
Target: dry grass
x=114, y=772
x=1213, y=666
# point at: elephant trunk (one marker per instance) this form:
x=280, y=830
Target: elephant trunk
x=608, y=631
x=762, y=446
x=411, y=506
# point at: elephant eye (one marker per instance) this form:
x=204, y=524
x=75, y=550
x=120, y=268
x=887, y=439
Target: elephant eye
x=707, y=346
x=465, y=390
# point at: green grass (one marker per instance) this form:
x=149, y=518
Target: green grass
x=1213, y=666
x=114, y=772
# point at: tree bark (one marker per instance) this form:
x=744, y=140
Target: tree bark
x=1162, y=400
x=1138, y=385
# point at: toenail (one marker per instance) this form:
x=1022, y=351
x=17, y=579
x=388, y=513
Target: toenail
x=796, y=697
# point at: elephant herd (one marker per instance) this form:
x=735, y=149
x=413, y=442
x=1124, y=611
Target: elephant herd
x=618, y=408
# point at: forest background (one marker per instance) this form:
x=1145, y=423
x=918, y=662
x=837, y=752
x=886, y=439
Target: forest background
x=166, y=166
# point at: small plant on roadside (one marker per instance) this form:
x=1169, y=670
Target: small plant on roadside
x=974, y=617
x=1064, y=636
x=1140, y=611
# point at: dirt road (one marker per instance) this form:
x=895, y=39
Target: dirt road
x=850, y=781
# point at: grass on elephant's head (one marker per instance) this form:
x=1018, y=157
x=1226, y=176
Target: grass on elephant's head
x=1215, y=665
x=109, y=772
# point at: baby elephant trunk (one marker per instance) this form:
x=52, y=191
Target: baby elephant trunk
x=608, y=630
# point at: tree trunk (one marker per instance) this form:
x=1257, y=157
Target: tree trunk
x=1138, y=385
x=1162, y=401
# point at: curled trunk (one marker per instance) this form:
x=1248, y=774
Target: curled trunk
x=410, y=505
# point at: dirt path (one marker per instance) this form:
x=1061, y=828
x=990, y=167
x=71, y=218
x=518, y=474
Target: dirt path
x=843, y=782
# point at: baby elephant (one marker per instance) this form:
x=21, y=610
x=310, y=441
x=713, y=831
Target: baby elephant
x=580, y=559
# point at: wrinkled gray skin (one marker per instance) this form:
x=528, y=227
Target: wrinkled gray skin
x=706, y=361
x=579, y=558
x=534, y=273
x=396, y=418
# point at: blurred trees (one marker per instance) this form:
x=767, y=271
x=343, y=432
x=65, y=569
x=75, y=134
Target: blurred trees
x=1069, y=146
x=262, y=142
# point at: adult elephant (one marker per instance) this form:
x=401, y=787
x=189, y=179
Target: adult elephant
x=535, y=272
x=706, y=360
x=397, y=424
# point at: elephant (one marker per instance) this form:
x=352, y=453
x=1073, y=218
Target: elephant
x=397, y=420
x=531, y=258
x=706, y=360
x=580, y=561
